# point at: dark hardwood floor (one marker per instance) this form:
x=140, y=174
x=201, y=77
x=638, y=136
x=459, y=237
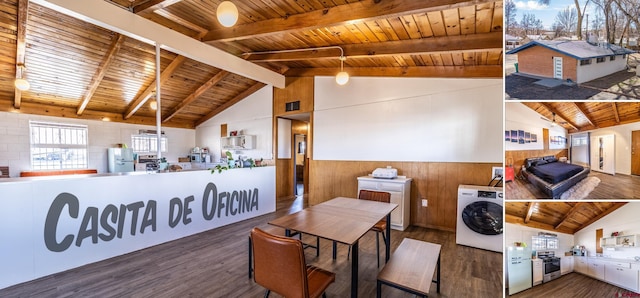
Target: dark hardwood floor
x=214, y=264
x=611, y=187
x=574, y=285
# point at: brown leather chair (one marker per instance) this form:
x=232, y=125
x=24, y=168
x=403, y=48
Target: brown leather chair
x=280, y=266
x=381, y=226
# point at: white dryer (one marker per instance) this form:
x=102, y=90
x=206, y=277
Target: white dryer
x=480, y=217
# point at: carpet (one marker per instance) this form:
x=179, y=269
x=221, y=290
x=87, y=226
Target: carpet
x=581, y=190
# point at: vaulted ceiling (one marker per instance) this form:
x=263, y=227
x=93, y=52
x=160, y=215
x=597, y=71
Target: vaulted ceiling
x=587, y=115
x=562, y=217
x=80, y=70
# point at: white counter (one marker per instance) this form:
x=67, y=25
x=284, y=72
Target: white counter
x=52, y=224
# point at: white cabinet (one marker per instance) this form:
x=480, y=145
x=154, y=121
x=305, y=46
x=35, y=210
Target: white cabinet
x=603, y=154
x=242, y=142
x=596, y=268
x=537, y=271
x=566, y=265
x=581, y=265
x=622, y=275
x=400, y=190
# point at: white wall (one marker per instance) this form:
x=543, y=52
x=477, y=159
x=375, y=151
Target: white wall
x=520, y=117
x=252, y=115
x=15, y=143
x=624, y=220
x=408, y=119
x=596, y=70
x=518, y=233
x=623, y=144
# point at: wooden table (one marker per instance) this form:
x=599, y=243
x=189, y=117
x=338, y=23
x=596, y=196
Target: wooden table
x=412, y=267
x=343, y=220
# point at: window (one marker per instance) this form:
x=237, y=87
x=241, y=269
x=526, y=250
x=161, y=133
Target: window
x=542, y=242
x=147, y=143
x=57, y=146
x=611, y=58
x=600, y=59
x=585, y=62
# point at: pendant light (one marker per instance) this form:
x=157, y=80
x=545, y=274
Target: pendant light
x=21, y=83
x=342, y=77
x=153, y=105
x=227, y=13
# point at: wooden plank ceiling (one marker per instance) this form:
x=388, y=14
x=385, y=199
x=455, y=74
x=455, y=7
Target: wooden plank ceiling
x=589, y=115
x=80, y=70
x=562, y=217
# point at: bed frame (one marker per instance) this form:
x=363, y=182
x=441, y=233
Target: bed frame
x=553, y=191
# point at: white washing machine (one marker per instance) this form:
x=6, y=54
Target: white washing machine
x=480, y=217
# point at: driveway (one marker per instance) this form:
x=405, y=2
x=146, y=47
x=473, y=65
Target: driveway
x=618, y=86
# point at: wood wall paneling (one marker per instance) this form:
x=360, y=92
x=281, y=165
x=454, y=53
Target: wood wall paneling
x=297, y=88
x=435, y=181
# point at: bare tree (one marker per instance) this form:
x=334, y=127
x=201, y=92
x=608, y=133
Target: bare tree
x=566, y=21
x=580, y=11
x=531, y=24
x=510, y=15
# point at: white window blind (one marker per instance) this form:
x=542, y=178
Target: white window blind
x=58, y=146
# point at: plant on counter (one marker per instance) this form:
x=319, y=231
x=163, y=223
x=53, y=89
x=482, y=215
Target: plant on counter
x=219, y=168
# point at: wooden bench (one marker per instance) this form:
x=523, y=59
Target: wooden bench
x=411, y=268
x=57, y=172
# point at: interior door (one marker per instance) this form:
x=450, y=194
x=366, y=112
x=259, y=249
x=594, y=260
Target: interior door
x=557, y=68
x=635, y=152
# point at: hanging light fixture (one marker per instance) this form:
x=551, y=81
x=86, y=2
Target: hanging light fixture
x=21, y=83
x=227, y=13
x=342, y=77
x=153, y=105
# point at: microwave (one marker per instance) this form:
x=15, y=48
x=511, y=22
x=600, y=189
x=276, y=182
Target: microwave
x=196, y=157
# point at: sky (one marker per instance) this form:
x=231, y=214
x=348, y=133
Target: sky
x=548, y=13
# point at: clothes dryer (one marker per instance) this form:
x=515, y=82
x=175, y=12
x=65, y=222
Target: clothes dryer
x=480, y=217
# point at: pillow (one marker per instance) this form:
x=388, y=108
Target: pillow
x=552, y=159
x=541, y=162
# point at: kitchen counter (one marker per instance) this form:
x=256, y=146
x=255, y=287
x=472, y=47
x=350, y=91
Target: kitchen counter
x=607, y=259
x=57, y=223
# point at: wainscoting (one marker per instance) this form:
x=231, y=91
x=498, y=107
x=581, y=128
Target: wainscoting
x=437, y=182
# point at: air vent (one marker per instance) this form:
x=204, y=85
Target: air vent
x=292, y=106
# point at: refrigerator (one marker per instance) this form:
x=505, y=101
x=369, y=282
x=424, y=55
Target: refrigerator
x=519, y=268
x=120, y=160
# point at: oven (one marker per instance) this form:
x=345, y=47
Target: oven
x=551, y=269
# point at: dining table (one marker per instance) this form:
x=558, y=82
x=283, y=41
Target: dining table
x=343, y=220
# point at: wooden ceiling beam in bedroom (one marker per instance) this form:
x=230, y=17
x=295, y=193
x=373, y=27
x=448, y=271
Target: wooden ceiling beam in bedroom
x=559, y=114
x=335, y=16
x=473, y=42
x=21, y=36
x=580, y=108
x=614, y=108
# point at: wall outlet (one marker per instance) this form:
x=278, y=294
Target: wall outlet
x=424, y=203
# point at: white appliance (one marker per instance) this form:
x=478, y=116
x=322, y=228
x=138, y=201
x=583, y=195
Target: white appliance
x=479, y=217
x=120, y=160
x=385, y=173
x=519, y=268
x=146, y=162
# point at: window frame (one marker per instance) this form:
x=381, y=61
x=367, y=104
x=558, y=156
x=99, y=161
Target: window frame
x=58, y=146
x=152, y=143
x=584, y=62
x=600, y=59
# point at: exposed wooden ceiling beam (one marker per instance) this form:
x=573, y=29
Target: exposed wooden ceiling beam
x=535, y=224
x=153, y=5
x=137, y=103
x=110, y=17
x=193, y=96
x=480, y=71
x=614, y=107
x=257, y=86
x=473, y=42
x=530, y=209
x=178, y=20
x=21, y=36
x=584, y=113
x=601, y=215
x=339, y=15
x=569, y=214
x=558, y=114
x=118, y=40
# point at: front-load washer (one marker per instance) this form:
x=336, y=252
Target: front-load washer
x=480, y=217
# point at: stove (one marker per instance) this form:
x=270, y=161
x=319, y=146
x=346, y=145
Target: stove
x=551, y=265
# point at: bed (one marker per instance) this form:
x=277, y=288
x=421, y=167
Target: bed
x=551, y=176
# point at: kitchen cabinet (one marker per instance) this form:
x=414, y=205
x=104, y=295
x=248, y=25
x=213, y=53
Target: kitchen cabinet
x=620, y=241
x=537, y=271
x=566, y=265
x=596, y=268
x=400, y=190
x=241, y=142
x=581, y=265
x=622, y=275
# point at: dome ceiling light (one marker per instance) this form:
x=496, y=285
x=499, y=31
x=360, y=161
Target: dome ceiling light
x=227, y=13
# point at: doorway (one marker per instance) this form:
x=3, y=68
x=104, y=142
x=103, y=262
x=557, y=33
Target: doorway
x=557, y=68
x=635, y=152
x=300, y=162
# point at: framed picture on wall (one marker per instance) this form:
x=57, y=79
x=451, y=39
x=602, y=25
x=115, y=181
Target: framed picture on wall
x=514, y=136
x=534, y=138
x=507, y=136
x=520, y=136
x=527, y=137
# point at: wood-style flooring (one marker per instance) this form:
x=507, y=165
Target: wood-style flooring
x=611, y=187
x=214, y=264
x=574, y=285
